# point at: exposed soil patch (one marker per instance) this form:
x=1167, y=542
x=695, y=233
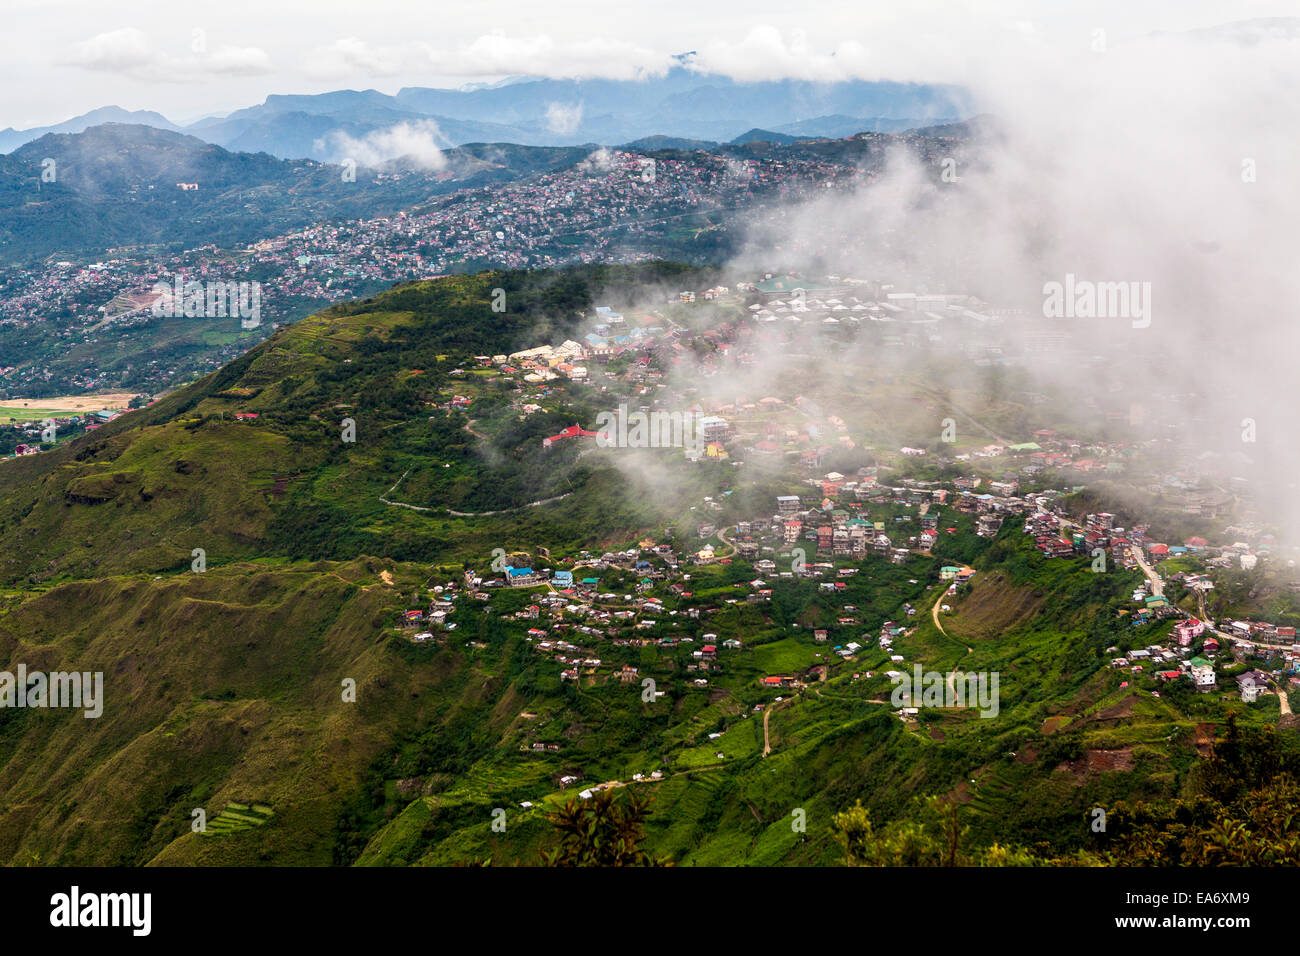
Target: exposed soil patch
x=1204, y=739
x=1098, y=761
x=1117, y=711
x=1052, y=724
x=992, y=607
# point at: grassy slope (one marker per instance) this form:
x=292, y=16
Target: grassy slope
x=225, y=686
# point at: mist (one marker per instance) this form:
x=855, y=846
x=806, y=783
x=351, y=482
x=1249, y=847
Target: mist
x=1164, y=163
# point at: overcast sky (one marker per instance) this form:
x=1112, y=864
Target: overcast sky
x=189, y=58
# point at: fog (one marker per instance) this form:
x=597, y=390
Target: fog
x=1165, y=162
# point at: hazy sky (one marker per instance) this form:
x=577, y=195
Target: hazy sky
x=188, y=58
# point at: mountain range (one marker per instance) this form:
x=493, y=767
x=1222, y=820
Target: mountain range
x=550, y=112
x=116, y=184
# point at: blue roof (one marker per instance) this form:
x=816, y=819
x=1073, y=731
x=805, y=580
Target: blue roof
x=519, y=572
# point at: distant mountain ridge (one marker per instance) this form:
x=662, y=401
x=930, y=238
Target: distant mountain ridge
x=117, y=184
x=682, y=104
x=11, y=139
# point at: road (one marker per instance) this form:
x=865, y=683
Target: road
x=1157, y=584
x=767, y=745
x=956, y=410
x=934, y=611
x=721, y=533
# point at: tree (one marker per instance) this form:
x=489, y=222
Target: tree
x=601, y=831
x=1242, y=811
x=935, y=837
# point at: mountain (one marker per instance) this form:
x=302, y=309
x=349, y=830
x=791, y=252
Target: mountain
x=226, y=686
x=687, y=104
x=117, y=184
x=11, y=139
x=682, y=104
x=839, y=126
x=765, y=136
x=650, y=143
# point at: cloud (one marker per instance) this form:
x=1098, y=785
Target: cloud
x=350, y=56
x=764, y=54
x=417, y=142
x=128, y=52
x=600, y=161
x=563, y=118
x=1163, y=160
x=493, y=54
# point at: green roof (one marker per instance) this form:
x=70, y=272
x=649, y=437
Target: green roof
x=787, y=284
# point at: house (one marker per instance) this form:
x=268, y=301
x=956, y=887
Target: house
x=1203, y=678
x=1187, y=630
x=573, y=431
x=1251, y=684
x=521, y=577
x=820, y=635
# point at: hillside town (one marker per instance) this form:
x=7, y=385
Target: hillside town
x=613, y=208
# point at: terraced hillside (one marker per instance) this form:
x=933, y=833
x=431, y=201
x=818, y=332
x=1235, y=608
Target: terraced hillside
x=242, y=584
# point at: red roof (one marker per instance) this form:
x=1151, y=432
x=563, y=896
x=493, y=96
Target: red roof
x=573, y=431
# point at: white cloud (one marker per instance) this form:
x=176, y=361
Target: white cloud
x=416, y=141
x=563, y=118
x=1123, y=166
x=493, y=54
x=128, y=52
x=352, y=56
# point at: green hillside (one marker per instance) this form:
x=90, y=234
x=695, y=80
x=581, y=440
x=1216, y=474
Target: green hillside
x=227, y=675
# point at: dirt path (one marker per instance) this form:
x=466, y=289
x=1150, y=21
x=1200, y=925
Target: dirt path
x=955, y=409
x=767, y=740
x=506, y=511
x=723, y=538
x=934, y=612
x=465, y=514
